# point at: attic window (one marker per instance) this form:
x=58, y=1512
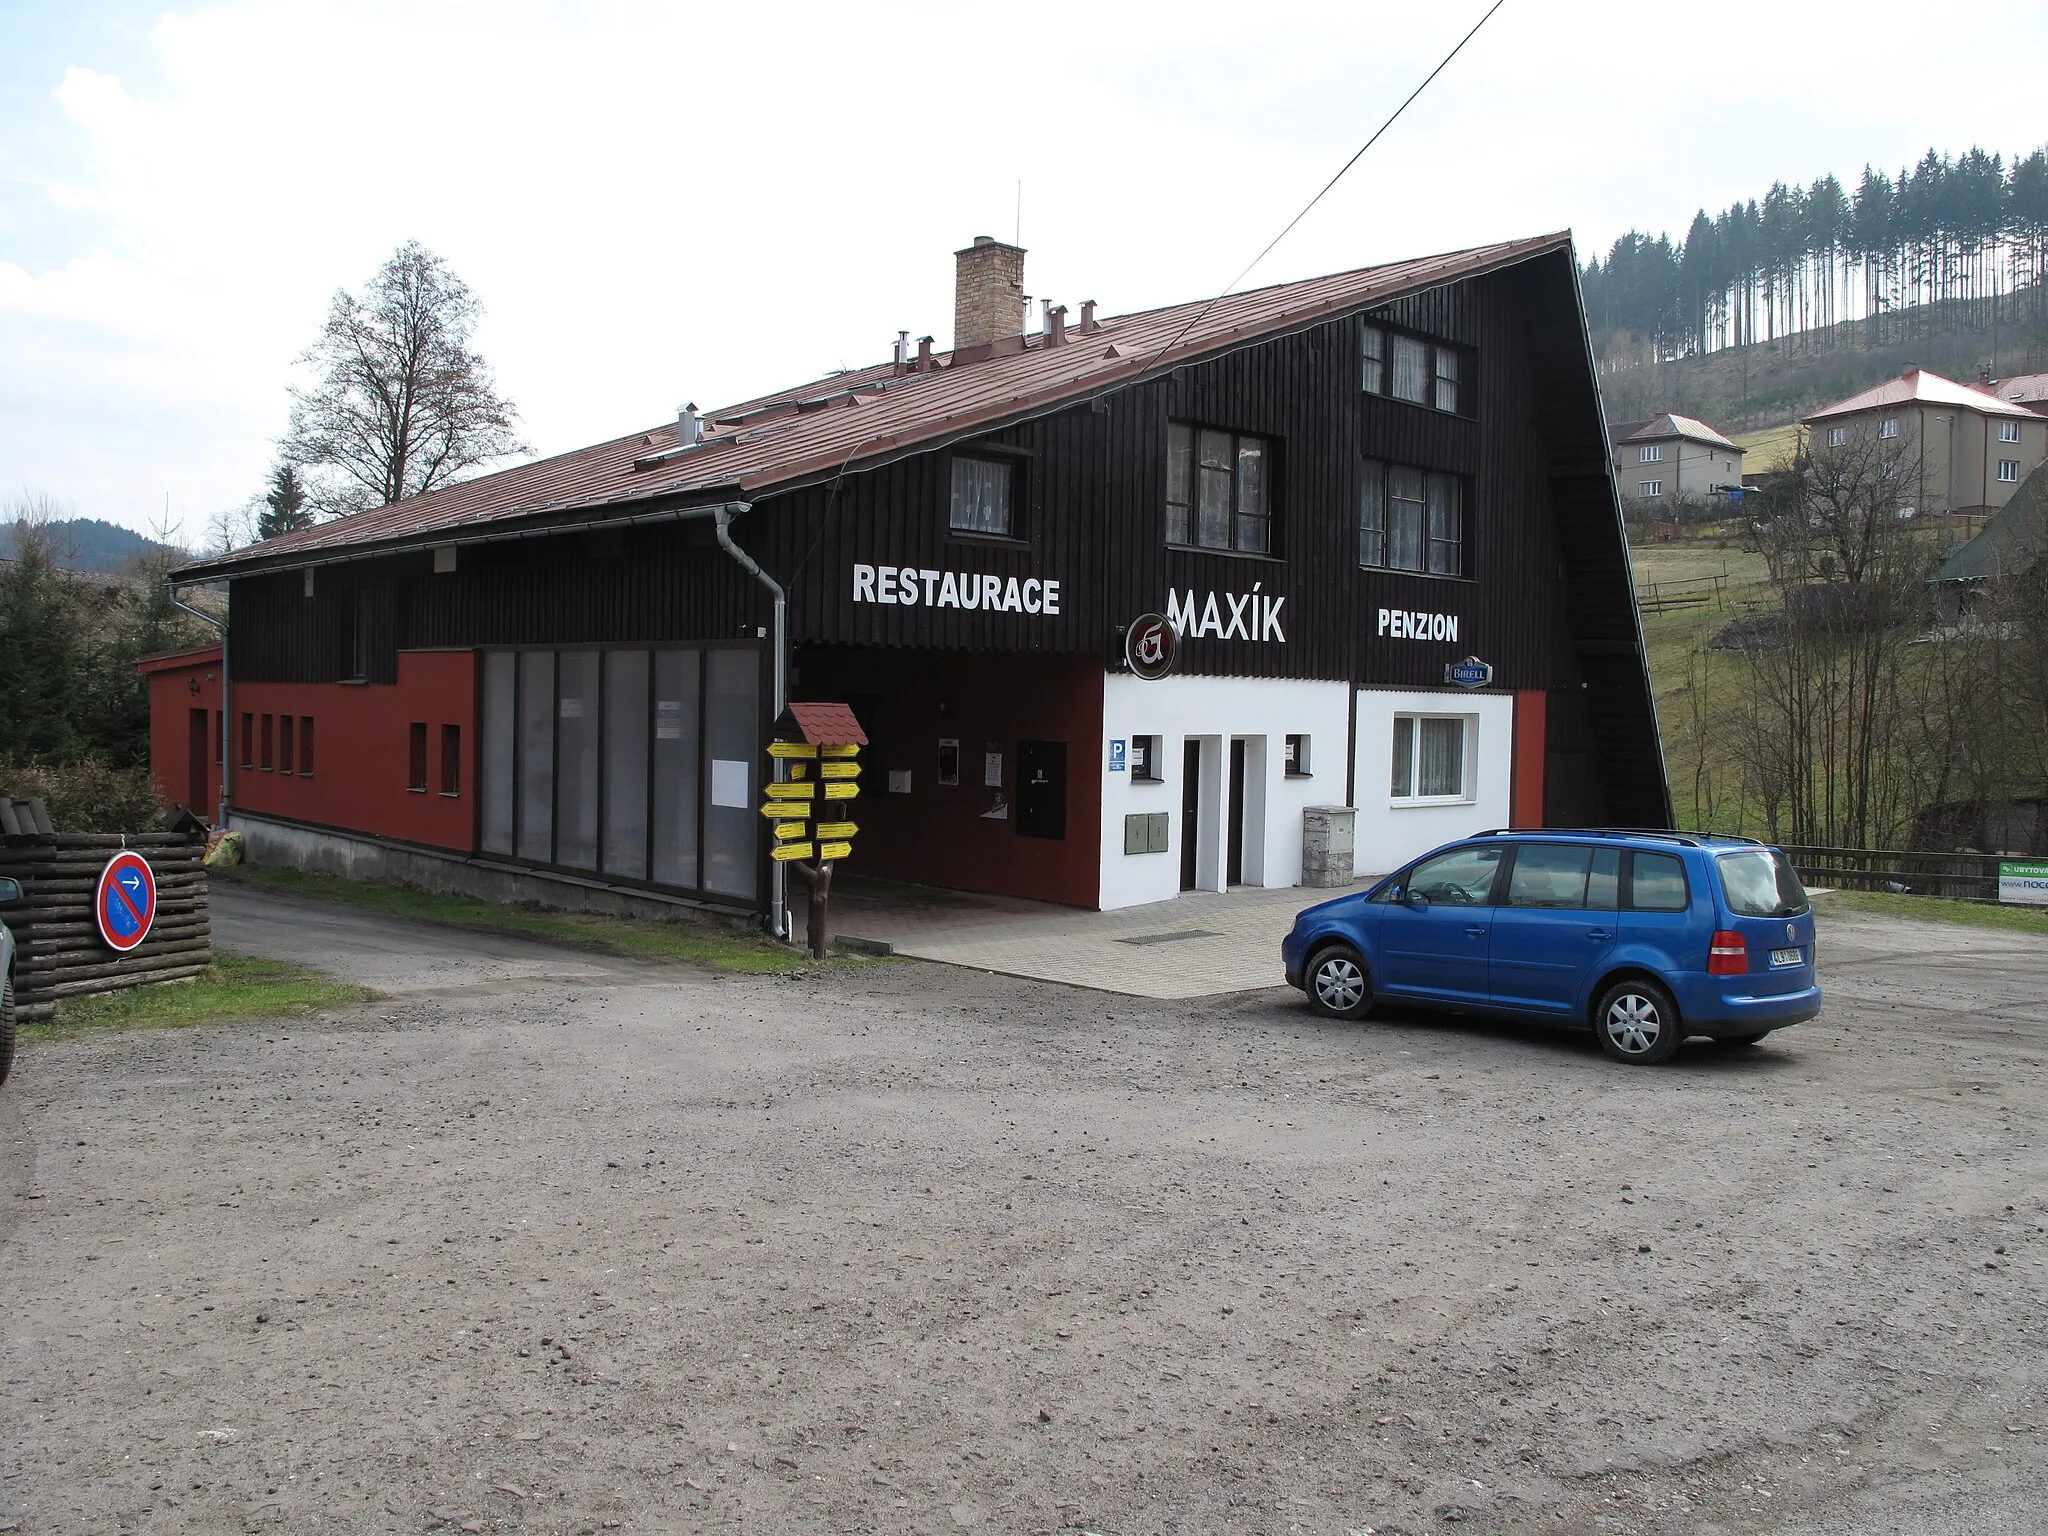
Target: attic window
x=984, y=495
x=1417, y=369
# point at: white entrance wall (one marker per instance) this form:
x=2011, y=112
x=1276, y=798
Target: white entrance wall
x=1263, y=713
x=1390, y=832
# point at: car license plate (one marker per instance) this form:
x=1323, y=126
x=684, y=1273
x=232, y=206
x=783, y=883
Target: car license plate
x=1787, y=956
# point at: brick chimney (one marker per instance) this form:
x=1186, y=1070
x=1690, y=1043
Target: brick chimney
x=988, y=292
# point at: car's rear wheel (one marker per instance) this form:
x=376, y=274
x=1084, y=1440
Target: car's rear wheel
x=1637, y=1023
x=1337, y=984
x=1741, y=1040
x=6, y=1026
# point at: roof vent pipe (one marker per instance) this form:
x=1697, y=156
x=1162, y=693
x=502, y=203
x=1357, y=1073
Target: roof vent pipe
x=902, y=349
x=689, y=425
x=1088, y=320
x=1056, y=326
x=924, y=354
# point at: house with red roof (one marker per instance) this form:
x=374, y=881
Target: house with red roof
x=1961, y=447
x=1116, y=600
x=1674, y=459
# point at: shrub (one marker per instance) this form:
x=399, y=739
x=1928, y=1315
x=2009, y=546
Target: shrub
x=88, y=795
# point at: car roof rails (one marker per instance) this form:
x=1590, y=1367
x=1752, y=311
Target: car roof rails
x=1684, y=839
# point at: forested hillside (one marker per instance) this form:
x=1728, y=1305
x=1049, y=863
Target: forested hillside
x=88, y=544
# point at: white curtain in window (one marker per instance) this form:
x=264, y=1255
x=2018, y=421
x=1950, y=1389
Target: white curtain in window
x=1441, y=769
x=981, y=496
x=1372, y=515
x=1405, y=518
x=1411, y=370
x=1446, y=527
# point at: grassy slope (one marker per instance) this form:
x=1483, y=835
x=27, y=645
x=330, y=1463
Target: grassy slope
x=1973, y=914
x=233, y=988
x=700, y=942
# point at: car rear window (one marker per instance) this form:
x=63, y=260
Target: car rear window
x=1761, y=882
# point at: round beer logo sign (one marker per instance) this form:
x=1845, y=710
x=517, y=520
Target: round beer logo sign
x=1150, y=646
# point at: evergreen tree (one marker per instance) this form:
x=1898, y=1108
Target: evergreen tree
x=284, y=504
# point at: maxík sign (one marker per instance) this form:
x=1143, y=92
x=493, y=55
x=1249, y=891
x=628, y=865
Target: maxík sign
x=816, y=754
x=124, y=904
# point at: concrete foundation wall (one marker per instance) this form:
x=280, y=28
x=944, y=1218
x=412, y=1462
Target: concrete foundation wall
x=325, y=851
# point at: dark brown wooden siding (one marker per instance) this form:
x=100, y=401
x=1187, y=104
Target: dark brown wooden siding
x=1546, y=599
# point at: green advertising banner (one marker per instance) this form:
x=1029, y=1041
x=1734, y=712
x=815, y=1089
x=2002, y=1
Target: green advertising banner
x=2024, y=881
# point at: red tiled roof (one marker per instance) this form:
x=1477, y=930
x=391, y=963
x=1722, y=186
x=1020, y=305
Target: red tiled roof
x=1919, y=387
x=867, y=415
x=830, y=723
x=1690, y=428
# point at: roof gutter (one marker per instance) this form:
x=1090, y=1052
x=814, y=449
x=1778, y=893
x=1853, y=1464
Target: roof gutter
x=285, y=560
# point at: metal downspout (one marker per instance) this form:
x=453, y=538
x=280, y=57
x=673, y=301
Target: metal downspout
x=227, y=715
x=778, y=876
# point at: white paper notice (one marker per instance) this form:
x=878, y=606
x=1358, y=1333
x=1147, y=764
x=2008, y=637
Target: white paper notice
x=992, y=770
x=729, y=782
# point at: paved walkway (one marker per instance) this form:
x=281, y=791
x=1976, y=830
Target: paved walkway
x=1196, y=946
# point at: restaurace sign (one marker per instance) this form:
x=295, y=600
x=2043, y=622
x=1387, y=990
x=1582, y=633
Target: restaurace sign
x=908, y=585
x=1240, y=616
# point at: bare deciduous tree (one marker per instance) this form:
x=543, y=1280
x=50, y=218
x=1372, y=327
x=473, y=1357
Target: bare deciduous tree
x=402, y=403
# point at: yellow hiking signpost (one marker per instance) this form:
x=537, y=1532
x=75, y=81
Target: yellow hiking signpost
x=814, y=745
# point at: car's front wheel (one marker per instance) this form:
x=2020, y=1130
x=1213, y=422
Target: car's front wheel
x=6, y=1026
x=1337, y=984
x=1637, y=1023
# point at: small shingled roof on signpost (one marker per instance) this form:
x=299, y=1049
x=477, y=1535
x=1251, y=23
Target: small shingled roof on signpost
x=825, y=726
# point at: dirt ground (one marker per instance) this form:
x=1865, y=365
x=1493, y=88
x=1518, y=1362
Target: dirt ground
x=550, y=1242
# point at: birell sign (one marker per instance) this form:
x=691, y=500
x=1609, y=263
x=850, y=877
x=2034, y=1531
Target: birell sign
x=1469, y=673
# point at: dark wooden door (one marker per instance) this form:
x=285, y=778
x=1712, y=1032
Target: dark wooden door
x=1190, y=810
x=1235, y=827
x=197, y=754
x=1042, y=789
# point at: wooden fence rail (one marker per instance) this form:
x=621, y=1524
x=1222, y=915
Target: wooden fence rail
x=1958, y=876
x=59, y=948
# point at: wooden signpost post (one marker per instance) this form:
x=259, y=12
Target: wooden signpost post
x=816, y=755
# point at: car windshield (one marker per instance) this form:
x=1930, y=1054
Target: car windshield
x=1761, y=882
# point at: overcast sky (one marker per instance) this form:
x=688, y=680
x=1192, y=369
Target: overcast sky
x=660, y=202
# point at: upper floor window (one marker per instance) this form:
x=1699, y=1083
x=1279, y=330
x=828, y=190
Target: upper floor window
x=1889, y=427
x=1650, y=488
x=2008, y=431
x=984, y=492
x=2009, y=469
x=1411, y=520
x=1218, y=489
x=1412, y=368
x=1837, y=436
x=1654, y=454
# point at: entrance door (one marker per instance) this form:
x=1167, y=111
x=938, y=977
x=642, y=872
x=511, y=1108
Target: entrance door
x=1235, y=863
x=1042, y=789
x=1190, y=810
x=197, y=754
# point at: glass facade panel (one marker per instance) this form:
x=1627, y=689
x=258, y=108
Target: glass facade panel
x=981, y=496
x=1253, y=534
x=576, y=761
x=1446, y=527
x=676, y=755
x=625, y=763
x=732, y=709
x=1405, y=492
x=1375, y=360
x=1404, y=756
x=1440, y=769
x=536, y=755
x=1411, y=370
x=1180, y=483
x=1446, y=379
x=1372, y=515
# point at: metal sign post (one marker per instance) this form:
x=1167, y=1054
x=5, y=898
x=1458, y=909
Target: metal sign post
x=817, y=749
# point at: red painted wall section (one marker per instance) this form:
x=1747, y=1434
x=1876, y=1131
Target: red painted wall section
x=179, y=685
x=938, y=834
x=361, y=746
x=1525, y=794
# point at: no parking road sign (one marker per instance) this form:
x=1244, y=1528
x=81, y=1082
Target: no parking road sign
x=124, y=906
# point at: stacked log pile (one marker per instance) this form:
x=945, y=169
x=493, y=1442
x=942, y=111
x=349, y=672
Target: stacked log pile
x=60, y=951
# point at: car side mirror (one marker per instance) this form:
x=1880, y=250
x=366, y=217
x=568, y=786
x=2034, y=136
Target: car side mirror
x=10, y=890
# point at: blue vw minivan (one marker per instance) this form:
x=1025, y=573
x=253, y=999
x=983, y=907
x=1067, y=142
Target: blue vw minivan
x=1647, y=937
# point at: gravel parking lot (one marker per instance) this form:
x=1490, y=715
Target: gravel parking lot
x=550, y=1242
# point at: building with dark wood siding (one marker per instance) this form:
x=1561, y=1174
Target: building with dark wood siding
x=1337, y=491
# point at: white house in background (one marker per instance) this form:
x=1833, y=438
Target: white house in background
x=1673, y=457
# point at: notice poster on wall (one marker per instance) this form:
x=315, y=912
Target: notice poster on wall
x=729, y=783
x=2024, y=882
x=668, y=720
x=992, y=770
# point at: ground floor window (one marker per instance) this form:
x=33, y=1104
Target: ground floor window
x=637, y=763
x=1431, y=757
